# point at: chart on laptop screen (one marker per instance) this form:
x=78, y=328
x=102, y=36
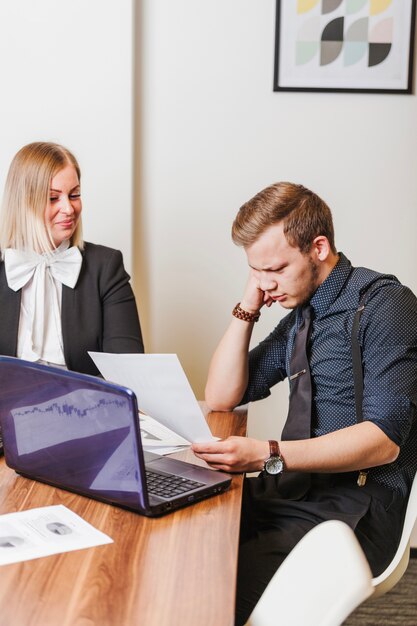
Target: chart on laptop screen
x=75, y=431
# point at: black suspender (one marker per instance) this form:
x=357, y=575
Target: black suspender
x=358, y=369
x=357, y=360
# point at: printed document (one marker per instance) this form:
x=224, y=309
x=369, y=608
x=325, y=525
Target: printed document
x=27, y=535
x=161, y=388
x=159, y=439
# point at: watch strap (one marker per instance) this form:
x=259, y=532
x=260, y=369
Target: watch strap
x=273, y=448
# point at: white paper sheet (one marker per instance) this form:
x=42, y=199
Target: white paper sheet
x=44, y=531
x=158, y=438
x=161, y=387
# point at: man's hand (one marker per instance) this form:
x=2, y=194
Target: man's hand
x=346, y=450
x=254, y=298
x=234, y=454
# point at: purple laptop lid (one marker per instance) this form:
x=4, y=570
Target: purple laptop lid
x=72, y=430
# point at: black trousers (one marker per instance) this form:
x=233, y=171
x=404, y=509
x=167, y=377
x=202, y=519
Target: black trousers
x=271, y=526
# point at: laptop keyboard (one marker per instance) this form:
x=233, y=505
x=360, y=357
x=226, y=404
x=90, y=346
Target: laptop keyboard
x=169, y=485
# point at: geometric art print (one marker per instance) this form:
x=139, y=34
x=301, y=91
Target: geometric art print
x=344, y=45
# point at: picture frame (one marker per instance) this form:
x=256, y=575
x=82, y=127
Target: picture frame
x=362, y=46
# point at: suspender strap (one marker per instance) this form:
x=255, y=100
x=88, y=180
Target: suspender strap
x=358, y=371
x=357, y=352
x=357, y=360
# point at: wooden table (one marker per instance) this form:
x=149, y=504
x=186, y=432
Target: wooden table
x=178, y=569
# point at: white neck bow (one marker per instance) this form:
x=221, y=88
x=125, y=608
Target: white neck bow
x=62, y=264
x=42, y=338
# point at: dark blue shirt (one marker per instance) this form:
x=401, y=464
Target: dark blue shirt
x=388, y=338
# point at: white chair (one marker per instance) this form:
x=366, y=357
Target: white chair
x=323, y=579
x=395, y=570
x=326, y=569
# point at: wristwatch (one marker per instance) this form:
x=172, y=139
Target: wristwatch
x=274, y=464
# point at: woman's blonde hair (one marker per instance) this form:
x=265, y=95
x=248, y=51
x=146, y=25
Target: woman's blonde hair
x=26, y=195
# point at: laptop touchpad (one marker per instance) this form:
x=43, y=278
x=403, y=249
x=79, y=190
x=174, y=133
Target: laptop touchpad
x=173, y=466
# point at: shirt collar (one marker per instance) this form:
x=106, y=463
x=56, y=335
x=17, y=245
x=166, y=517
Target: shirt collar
x=330, y=288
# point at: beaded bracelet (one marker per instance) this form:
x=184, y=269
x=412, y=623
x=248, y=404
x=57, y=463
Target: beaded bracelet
x=241, y=314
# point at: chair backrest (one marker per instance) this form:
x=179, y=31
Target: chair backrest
x=323, y=579
x=395, y=570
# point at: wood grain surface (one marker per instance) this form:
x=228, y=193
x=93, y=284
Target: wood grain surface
x=178, y=569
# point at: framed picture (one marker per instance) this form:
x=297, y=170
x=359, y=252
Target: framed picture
x=344, y=45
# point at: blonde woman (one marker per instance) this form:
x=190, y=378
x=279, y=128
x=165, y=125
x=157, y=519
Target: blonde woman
x=59, y=296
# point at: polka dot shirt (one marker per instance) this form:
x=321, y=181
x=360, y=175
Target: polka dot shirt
x=388, y=338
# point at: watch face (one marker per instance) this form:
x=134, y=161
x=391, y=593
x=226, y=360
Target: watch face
x=274, y=465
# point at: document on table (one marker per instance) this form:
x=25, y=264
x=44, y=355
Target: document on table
x=161, y=387
x=158, y=438
x=31, y=534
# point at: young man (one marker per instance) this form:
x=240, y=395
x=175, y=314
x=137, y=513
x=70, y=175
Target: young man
x=334, y=461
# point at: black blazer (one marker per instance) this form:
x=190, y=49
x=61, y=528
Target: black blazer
x=99, y=314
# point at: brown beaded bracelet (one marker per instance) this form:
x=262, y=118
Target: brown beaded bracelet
x=241, y=314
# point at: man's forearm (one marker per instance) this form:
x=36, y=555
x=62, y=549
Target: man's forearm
x=349, y=449
x=228, y=372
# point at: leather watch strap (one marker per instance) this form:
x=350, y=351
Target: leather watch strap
x=274, y=448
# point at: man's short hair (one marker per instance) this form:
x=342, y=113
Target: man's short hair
x=305, y=216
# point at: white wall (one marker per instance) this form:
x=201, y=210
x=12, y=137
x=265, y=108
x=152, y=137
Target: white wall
x=66, y=76
x=213, y=133
x=210, y=133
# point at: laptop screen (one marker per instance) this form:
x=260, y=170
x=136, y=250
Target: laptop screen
x=72, y=430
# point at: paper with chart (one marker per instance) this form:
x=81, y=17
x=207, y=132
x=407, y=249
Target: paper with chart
x=159, y=439
x=161, y=387
x=47, y=530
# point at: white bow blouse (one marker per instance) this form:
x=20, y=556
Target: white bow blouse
x=40, y=277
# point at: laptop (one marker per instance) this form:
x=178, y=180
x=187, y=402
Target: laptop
x=81, y=433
